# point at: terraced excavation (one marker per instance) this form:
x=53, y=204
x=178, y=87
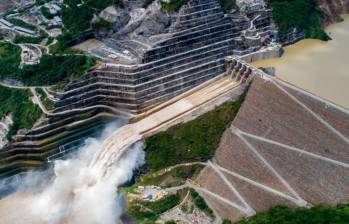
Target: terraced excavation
x=190, y=52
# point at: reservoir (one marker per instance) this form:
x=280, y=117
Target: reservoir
x=319, y=67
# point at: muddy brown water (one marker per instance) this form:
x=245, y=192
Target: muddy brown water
x=319, y=67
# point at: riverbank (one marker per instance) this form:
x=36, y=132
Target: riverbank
x=319, y=67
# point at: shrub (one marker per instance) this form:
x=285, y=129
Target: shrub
x=46, y=12
x=174, y=177
x=320, y=214
x=19, y=39
x=146, y=212
x=164, y=204
x=147, y=3
x=77, y=17
x=228, y=5
x=170, y=222
x=302, y=14
x=196, y=140
x=200, y=203
x=52, y=69
x=17, y=102
x=173, y=5
x=10, y=58
x=21, y=23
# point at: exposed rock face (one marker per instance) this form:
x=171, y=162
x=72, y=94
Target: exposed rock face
x=154, y=22
x=144, y=23
x=246, y=5
x=6, y=5
x=115, y=15
x=4, y=128
x=333, y=9
x=155, y=61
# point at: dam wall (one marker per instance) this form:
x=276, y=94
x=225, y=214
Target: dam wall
x=286, y=147
x=268, y=53
x=194, y=53
x=185, y=107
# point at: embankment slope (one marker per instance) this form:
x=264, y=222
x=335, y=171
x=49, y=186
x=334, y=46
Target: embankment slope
x=284, y=147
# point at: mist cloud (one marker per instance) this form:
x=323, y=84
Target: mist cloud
x=77, y=192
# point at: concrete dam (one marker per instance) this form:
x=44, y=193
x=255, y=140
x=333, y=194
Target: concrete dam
x=74, y=183
x=156, y=69
x=257, y=173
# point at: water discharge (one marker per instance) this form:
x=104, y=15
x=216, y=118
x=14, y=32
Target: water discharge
x=79, y=192
x=84, y=187
x=319, y=67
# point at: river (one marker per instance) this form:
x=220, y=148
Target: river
x=319, y=67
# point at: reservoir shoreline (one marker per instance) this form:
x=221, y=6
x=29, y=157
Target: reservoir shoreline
x=321, y=68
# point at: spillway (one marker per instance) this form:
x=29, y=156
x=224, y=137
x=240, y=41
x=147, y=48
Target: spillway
x=92, y=178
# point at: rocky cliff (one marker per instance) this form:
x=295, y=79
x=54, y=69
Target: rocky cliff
x=333, y=9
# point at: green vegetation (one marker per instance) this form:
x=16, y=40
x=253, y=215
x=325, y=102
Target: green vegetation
x=170, y=222
x=102, y=24
x=192, y=141
x=10, y=58
x=51, y=70
x=48, y=104
x=228, y=5
x=46, y=12
x=200, y=203
x=24, y=112
x=59, y=87
x=174, y=177
x=302, y=14
x=50, y=27
x=173, y=5
x=165, y=203
x=41, y=2
x=21, y=23
x=147, y=3
x=19, y=39
x=49, y=41
x=77, y=16
x=188, y=142
x=146, y=212
x=226, y=221
x=320, y=214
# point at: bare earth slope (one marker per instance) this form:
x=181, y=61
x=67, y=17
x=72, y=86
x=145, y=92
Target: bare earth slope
x=333, y=9
x=6, y=5
x=284, y=147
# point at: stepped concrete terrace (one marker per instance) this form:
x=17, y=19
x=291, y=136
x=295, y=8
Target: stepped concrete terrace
x=285, y=146
x=146, y=76
x=192, y=54
x=186, y=106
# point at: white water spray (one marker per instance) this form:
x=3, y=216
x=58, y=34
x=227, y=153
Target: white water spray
x=79, y=192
